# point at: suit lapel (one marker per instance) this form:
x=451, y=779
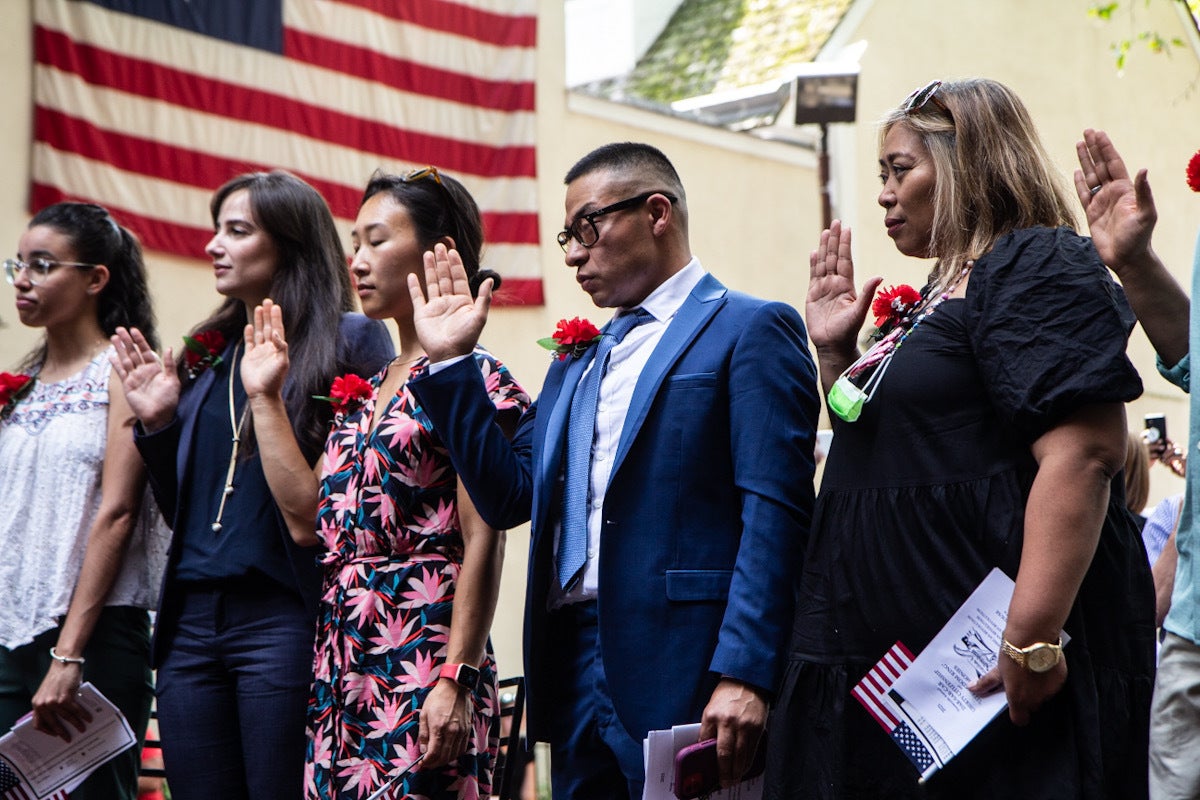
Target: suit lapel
x=691, y=318
x=188, y=413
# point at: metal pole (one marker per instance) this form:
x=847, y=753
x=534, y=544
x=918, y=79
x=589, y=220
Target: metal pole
x=823, y=178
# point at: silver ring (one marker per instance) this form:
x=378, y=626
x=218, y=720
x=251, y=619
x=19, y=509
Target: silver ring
x=1096, y=188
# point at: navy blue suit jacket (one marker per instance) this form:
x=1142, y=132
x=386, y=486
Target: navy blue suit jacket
x=705, y=518
x=364, y=346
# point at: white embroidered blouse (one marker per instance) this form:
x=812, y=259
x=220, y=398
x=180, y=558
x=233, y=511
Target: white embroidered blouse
x=51, y=458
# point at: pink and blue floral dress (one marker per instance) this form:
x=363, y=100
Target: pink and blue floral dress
x=389, y=521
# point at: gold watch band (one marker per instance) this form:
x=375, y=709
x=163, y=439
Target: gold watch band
x=1038, y=657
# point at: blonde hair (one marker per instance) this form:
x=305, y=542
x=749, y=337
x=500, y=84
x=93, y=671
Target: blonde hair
x=1137, y=474
x=992, y=173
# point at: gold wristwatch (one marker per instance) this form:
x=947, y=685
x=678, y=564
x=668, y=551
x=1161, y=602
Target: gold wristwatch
x=1038, y=657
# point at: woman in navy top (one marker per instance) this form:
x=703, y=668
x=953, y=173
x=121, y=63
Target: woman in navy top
x=235, y=626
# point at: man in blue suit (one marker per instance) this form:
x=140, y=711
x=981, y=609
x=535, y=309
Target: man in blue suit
x=669, y=531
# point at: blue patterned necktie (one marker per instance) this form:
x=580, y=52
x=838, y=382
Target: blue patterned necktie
x=581, y=428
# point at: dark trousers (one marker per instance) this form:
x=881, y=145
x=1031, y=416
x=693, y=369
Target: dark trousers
x=591, y=753
x=118, y=664
x=232, y=693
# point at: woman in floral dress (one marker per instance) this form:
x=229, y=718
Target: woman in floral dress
x=402, y=664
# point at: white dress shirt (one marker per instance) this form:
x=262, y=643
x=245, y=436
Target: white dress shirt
x=625, y=364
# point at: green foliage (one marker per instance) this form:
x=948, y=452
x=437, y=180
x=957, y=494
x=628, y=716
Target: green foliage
x=1154, y=41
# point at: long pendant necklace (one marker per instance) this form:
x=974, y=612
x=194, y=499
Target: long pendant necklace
x=846, y=398
x=235, y=423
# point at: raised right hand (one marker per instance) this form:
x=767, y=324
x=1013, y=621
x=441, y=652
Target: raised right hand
x=834, y=312
x=1120, y=212
x=265, y=363
x=151, y=383
x=450, y=321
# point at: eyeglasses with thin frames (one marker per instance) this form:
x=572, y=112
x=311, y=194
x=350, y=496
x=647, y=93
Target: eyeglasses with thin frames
x=588, y=234
x=923, y=96
x=37, y=269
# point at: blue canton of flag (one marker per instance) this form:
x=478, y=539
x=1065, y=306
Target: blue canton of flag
x=912, y=746
x=11, y=787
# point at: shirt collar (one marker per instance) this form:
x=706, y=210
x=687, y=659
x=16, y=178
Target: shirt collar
x=667, y=299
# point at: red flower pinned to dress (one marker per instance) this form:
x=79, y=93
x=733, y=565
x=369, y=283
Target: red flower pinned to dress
x=347, y=392
x=1193, y=172
x=202, y=351
x=894, y=304
x=572, y=337
x=12, y=388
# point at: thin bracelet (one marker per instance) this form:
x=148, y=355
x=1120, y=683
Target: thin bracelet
x=65, y=659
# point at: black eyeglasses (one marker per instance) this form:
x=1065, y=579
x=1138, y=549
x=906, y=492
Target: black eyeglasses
x=923, y=96
x=36, y=269
x=587, y=234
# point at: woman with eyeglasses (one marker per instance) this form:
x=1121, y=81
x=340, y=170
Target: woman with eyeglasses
x=402, y=663
x=984, y=427
x=234, y=631
x=84, y=545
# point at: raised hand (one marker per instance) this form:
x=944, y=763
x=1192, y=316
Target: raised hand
x=834, y=311
x=265, y=362
x=151, y=383
x=1120, y=211
x=449, y=322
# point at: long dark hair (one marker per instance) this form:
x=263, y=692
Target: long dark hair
x=311, y=285
x=96, y=238
x=438, y=206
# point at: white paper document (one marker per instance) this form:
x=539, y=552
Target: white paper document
x=923, y=703
x=659, y=749
x=46, y=764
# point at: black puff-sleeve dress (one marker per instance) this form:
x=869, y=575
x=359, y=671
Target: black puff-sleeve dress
x=924, y=494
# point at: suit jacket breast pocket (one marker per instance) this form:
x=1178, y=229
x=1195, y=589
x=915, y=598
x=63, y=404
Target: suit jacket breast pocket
x=694, y=380
x=698, y=585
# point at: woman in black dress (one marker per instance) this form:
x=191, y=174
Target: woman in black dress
x=995, y=437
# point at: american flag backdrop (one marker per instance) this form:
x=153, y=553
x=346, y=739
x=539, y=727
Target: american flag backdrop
x=146, y=106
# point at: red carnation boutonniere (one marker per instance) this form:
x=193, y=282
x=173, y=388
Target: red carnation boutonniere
x=893, y=304
x=202, y=351
x=346, y=393
x=12, y=389
x=572, y=337
x=1193, y=172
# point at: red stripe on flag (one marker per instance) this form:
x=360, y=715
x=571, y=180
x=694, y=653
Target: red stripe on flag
x=500, y=29
x=146, y=79
x=406, y=75
x=194, y=168
x=186, y=240
x=872, y=690
x=154, y=234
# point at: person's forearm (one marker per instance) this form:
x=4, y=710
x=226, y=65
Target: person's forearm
x=108, y=540
x=832, y=363
x=289, y=476
x=1164, y=579
x=1067, y=505
x=1062, y=528
x=476, y=594
x=1161, y=306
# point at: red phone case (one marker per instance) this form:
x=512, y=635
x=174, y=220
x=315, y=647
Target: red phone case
x=696, y=768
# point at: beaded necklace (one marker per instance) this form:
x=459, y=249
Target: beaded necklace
x=847, y=398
